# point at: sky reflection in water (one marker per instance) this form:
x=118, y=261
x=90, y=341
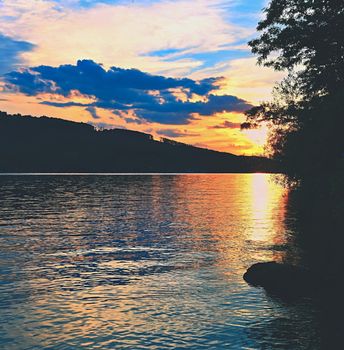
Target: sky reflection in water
x=143, y=262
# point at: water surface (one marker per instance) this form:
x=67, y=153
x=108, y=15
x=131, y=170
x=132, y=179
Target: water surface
x=144, y=262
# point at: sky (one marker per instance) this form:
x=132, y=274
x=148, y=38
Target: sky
x=179, y=69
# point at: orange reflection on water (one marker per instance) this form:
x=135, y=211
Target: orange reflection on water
x=145, y=256
x=267, y=215
x=229, y=214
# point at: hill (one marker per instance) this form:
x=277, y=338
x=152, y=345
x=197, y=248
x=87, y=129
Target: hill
x=31, y=144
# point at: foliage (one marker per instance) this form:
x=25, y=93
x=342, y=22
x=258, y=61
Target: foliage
x=309, y=33
x=305, y=38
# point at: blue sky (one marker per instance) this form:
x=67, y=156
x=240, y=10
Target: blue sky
x=240, y=14
x=11, y=49
x=184, y=42
x=243, y=13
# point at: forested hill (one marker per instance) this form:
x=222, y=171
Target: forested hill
x=30, y=144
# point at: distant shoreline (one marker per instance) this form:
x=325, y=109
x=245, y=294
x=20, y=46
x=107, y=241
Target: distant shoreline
x=132, y=174
x=52, y=146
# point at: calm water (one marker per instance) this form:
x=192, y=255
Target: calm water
x=144, y=262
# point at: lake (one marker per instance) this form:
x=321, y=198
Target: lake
x=145, y=262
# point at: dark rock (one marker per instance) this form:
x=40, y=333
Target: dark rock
x=282, y=279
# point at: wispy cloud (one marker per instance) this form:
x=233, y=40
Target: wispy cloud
x=123, y=32
x=93, y=111
x=244, y=77
x=182, y=44
x=11, y=51
x=226, y=125
x=175, y=133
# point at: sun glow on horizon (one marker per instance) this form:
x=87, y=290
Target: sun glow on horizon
x=258, y=136
x=214, y=77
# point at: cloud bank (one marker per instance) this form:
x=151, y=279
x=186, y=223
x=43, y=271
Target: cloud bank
x=152, y=98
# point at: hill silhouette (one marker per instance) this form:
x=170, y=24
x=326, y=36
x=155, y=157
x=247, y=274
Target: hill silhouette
x=31, y=144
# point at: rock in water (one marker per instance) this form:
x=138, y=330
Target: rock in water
x=282, y=279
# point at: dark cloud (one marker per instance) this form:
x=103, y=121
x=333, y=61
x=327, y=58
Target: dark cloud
x=66, y=104
x=226, y=125
x=150, y=96
x=10, y=51
x=93, y=112
x=182, y=111
x=175, y=133
x=133, y=120
x=89, y=78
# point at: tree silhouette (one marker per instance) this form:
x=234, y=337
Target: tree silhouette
x=30, y=144
x=306, y=39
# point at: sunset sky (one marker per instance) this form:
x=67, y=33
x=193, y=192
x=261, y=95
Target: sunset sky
x=180, y=69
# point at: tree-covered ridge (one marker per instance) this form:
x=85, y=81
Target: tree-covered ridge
x=30, y=144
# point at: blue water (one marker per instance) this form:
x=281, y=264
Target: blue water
x=144, y=262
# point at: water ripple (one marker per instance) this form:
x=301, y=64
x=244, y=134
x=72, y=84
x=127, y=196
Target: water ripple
x=143, y=262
